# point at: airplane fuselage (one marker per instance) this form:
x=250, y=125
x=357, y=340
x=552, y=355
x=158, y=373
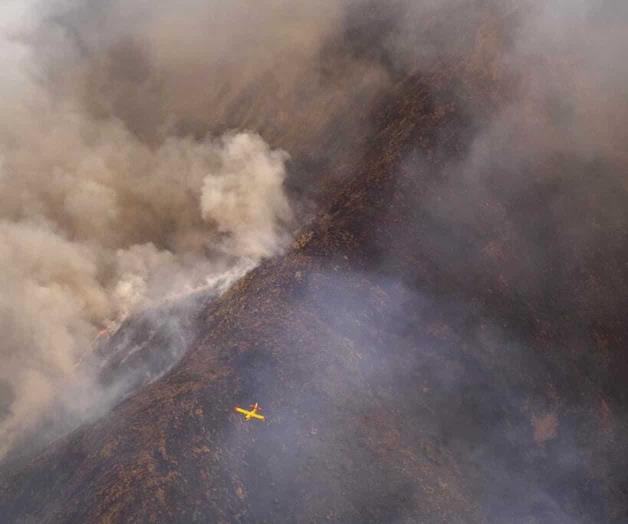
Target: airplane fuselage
x=249, y=414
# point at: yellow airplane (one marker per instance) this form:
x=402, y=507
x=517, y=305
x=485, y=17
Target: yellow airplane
x=248, y=415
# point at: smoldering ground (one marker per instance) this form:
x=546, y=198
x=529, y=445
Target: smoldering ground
x=388, y=402
x=517, y=334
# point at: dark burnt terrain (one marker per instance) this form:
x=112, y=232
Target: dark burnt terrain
x=406, y=376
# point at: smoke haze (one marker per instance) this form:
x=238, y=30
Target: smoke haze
x=145, y=150
x=104, y=209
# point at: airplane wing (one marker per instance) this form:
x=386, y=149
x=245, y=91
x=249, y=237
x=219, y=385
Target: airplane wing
x=249, y=414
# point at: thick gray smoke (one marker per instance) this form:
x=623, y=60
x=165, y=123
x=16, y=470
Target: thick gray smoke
x=106, y=205
x=143, y=155
x=540, y=193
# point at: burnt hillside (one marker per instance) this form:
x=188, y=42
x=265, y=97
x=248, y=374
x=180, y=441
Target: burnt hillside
x=424, y=352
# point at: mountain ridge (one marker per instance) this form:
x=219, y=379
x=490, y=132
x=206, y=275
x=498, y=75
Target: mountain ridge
x=405, y=377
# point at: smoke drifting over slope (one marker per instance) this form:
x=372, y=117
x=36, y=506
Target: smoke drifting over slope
x=538, y=199
x=143, y=153
x=96, y=221
x=142, y=144
x=144, y=150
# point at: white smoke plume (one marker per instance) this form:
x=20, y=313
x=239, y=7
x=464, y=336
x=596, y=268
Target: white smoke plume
x=96, y=223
